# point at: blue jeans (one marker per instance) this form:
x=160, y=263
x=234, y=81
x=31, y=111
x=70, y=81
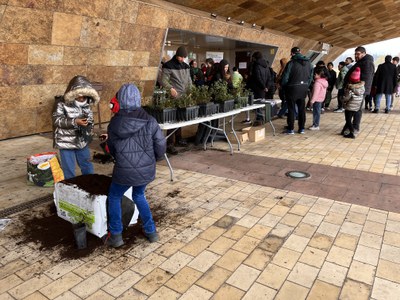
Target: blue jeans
x=68, y=158
x=388, y=98
x=114, y=208
x=316, y=113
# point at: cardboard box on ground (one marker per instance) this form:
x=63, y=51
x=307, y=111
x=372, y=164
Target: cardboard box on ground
x=255, y=133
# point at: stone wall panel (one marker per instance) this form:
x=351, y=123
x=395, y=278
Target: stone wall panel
x=13, y=54
x=23, y=25
x=49, y=5
x=45, y=55
x=18, y=122
x=10, y=98
x=140, y=58
x=120, y=58
x=89, y=8
x=44, y=117
x=123, y=10
x=100, y=33
x=76, y=55
x=62, y=74
x=178, y=20
x=136, y=37
x=39, y=95
x=21, y=75
x=152, y=16
x=66, y=29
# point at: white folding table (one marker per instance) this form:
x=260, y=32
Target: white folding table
x=206, y=121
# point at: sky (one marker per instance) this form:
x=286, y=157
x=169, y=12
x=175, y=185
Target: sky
x=377, y=50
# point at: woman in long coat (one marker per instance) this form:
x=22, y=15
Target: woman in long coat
x=385, y=83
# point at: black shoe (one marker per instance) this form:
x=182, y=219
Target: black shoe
x=350, y=136
x=246, y=122
x=376, y=111
x=114, y=240
x=182, y=143
x=172, y=150
x=386, y=111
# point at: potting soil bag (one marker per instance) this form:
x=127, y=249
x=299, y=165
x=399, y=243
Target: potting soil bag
x=44, y=169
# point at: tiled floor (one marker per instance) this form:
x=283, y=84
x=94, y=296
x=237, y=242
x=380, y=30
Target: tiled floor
x=235, y=227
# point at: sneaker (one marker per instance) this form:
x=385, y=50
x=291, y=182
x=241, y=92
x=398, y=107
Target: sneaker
x=314, y=128
x=338, y=110
x=350, y=135
x=309, y=108
x=375, y=111
x=172, y=150
x=301, y=131
x=114, y=240
x=246, y=122
x=290, y=131
x=152, y=237
x=386, y=111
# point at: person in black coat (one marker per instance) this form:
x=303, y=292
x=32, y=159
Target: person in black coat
x=366, y=64
x=385, y=81
x=136, y=142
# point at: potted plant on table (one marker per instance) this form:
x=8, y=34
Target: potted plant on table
x=186, y=107
x=163, y=107
x=202, y=96
x=241, y=96
x=219, y=91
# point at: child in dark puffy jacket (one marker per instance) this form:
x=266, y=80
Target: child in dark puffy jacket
x=136, y=142
x=353, y=101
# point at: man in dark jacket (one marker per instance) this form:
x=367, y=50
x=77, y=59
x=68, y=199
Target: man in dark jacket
x=258, y=80
x=366, y=64
x=176, y=79
x=136, y=142
x=331, y=85
x=296, y=79
x=385, y=81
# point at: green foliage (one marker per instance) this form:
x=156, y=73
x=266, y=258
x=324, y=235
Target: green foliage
x=219, y=91
x=186, y=100
x=162, y=99
x=201, y=94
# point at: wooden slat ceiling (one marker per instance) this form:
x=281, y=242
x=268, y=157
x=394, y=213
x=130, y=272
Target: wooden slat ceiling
x=343, y=23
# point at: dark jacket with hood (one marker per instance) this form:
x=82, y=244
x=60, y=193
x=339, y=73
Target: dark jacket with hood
x=385, y=78
x=259, y=77
x=176, y=75
x=135, y=140
x=367, y=67
x=297, y=76
x=67, y=134
x=220, y=73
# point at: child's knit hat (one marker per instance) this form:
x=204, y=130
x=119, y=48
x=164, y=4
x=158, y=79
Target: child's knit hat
x=355, y=75
x=129, y=97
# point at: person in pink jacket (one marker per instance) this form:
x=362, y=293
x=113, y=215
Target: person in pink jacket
x=318, y=96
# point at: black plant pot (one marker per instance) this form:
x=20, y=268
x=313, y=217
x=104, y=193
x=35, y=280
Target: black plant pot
x=166, y=115
x=79, y=230
x=207, y=109
x=227, y=105
x=251, y=99
x=187, y=113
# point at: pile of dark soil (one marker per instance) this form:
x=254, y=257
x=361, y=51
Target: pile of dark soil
x=94, y=184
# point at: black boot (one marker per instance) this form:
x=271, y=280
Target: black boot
x=114, y=240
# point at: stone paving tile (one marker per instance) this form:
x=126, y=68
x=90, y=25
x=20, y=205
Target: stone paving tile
x=30, y=286
x=388, y=270
x=176, y=262
x=273, y=276
x=243, y=277
x=367, y=255
x=328, y=229
x=120, y=265
x=196, y=292
x=164, y=293
x=258, y=259
x=296, y=243
x=363, y=272
x=321, y=241
x=204, y=261
x=390, y=253
x=100, y=295
x=370, y=240
x=346, y=241
x=231, y=260
x=61, y=285
x=340, y=256
x=313, y=257
x=122, y=283
x=289, y=289
x=92, y=266
x=214, y=278
x=332, y=273
x=9, y=282
x=384, y=289
x=68, y=296
x=228, y=292
x=246, y=244
x=355, y=290
x=323, y=291
x=183, y=280
x=259, y=292
x=303, y=274
x=286, y=258
x=221, y=245
x=374, y=227
x=153, y=281
x=195, y=247
x=169, y=248
x=305, y=230
x=91, y=284
x=34, y=296
x=236, y=232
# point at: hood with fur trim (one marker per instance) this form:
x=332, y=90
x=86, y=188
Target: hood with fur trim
x=81, y=86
